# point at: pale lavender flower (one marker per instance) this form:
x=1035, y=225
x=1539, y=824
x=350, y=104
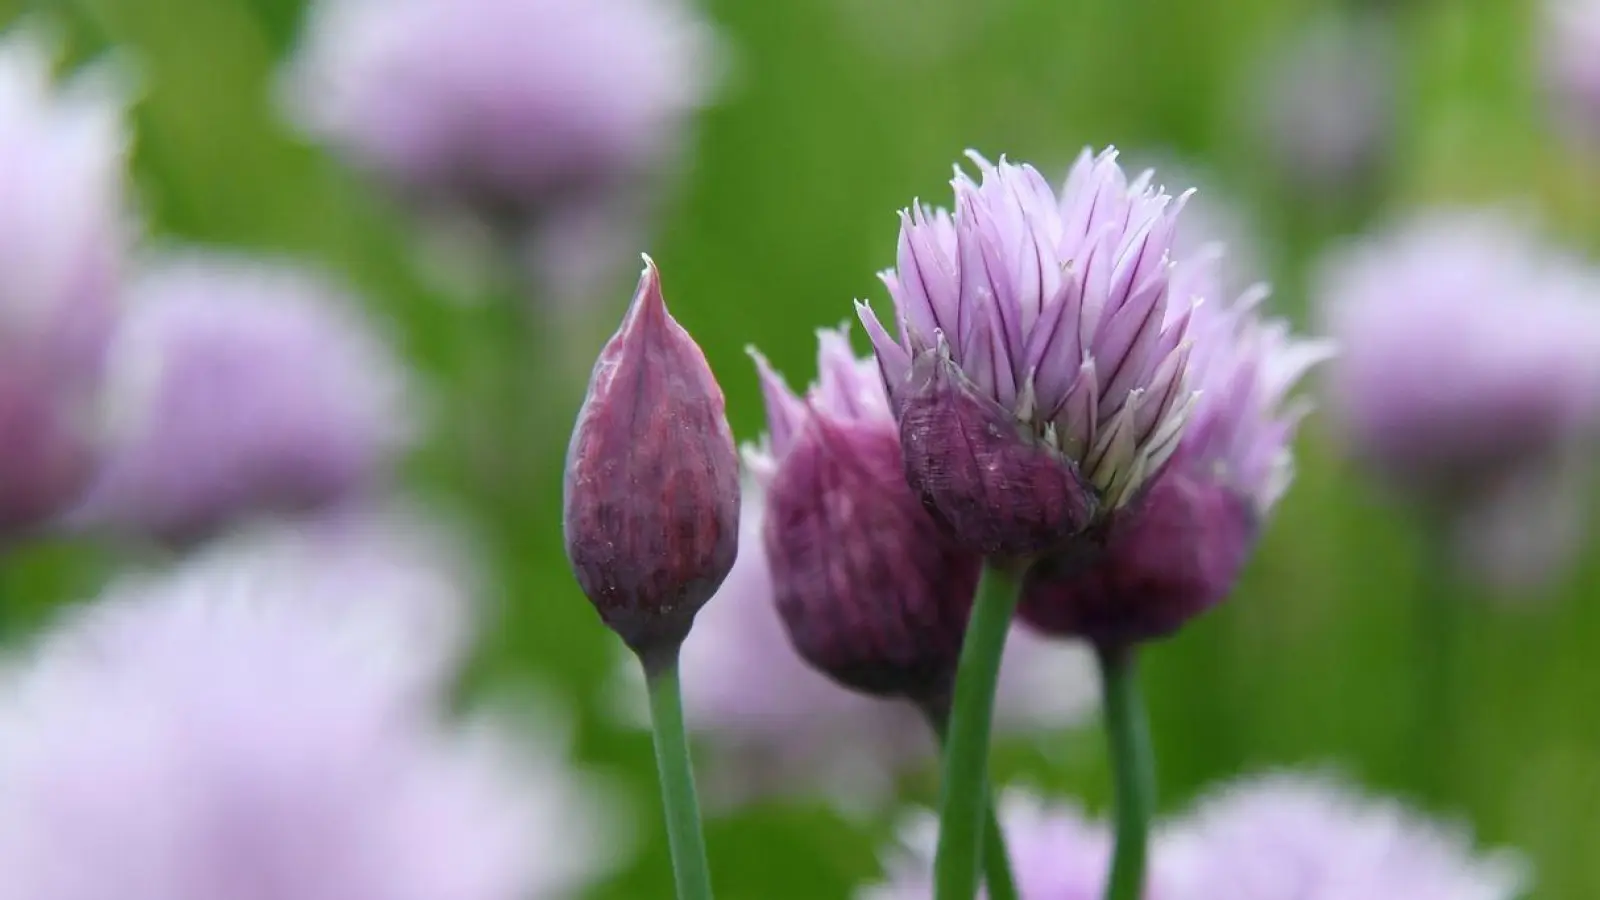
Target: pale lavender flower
x=63, y=231
x=1299, y=837
x=1569, y=37
x=1040, y=374
x=542, y=114
x=215, y=737
x=238, y=387
x=1179, y=548
x=1469, y=351
x=775, y=727
x=1057, y=853
x=1324, y=101
x=1275, y=837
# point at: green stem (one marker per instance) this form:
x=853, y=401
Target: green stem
x=964, y=789
x=1437, y=634
x=689, y=867
x=998, y=880
x=1133, y=770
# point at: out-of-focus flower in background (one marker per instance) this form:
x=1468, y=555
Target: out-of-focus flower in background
x=540, y=117
x=1469, y=368
x=1569, y=56
x=1178, y=548
x=237, y=387
x=214, y=734
x=62, y=239
x=1285, y=835
x=1323, y=100
x=1057, y=853
x=1275, y=837
x=1039, y=375
x=773, y=726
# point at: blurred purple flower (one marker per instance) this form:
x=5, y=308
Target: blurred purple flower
x=1324, y=102
x=774, y=726
x=237, y=387
x=63, y=232
x=1470, y=363
x=1057, y=853
x=1278, y=837
x=1285, y=836
x=1178, y=549
x=520, y=111
x=213, y=735
x=1569, y=54
x=1039, y=343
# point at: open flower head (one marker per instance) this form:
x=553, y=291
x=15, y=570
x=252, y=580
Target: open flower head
x=1041, y=366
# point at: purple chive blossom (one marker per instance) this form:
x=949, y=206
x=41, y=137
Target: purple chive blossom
x=1040, y=374
x=873, y=593
x=1295, y=836
x=1323, y=102
x=237, y=387
x=63, y=230
x=1179, y=548
x=1057, y=853
x=1570, y=36
x=546, y=114
x=774, y=726
x=1278, y=837
x=1470, y=352
x=212, y=736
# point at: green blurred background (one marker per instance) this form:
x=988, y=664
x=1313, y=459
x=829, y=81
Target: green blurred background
x=836, y=114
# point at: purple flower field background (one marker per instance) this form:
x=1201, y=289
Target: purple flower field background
x=1359, y=152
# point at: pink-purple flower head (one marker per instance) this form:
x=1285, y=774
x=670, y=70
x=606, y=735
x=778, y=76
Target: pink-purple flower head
x=1178, y=549
x=1469, y=351
x=1057, y=852
x=1040, y=373
x=1277, y=837
x=63, y=231
x=1293, y=836
x=239, y=387
x=503, y=105
x=1569, y=39
x=216, y=737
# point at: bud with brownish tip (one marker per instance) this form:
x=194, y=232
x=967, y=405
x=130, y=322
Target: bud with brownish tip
x=651, y=505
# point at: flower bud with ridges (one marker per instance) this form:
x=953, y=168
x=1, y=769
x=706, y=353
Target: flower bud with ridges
x=651, y=505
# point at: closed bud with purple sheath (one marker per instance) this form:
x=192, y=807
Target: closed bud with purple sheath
x=651, y=506
x=871, y=590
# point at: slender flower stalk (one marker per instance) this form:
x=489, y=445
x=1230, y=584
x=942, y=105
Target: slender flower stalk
x=689, y=867
x=964, y=787
x=1133, y=771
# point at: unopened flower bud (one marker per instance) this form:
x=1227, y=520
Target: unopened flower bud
x=872, y=591
x=651, y=505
